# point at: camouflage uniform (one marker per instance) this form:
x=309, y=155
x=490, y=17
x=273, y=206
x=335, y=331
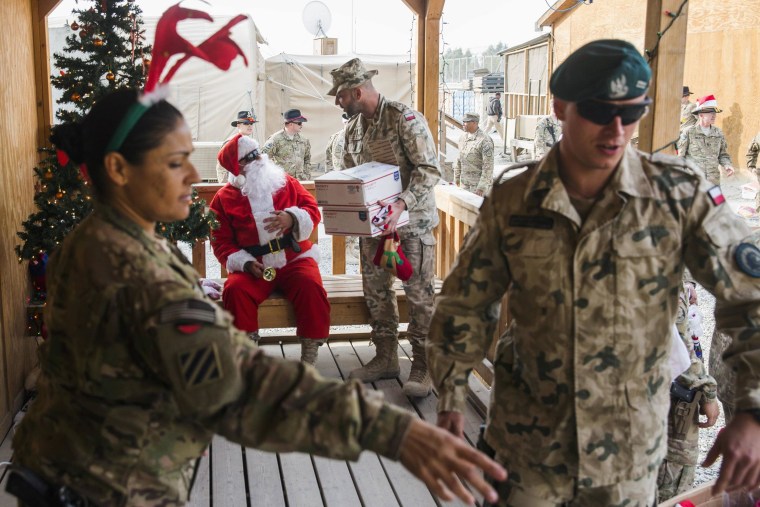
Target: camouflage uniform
x=334, y=152
x=473, y=169
x=292, y=153
x=677, y=471
x=706, y=150
x=687, y=118
x=415, y=153
x=548, y=132
x=581, y=377
x=141, y=369
x=754, y=149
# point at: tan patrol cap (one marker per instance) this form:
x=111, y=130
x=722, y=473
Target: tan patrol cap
x=471, y=117
x=350, y=75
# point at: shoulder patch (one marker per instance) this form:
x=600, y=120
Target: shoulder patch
x=188, y=312
x=409, y=116
x=500, y=178
x=716, y=195
x=747, y=258
x=200, y=366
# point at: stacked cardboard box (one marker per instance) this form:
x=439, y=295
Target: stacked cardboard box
x=350, y=198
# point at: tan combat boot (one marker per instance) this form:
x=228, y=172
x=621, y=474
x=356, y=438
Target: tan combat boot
x=310, y=350
x=383, y=365
x=419, y=384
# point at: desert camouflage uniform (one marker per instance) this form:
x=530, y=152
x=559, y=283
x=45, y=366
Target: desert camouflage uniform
x=141, y=369
x=707, y=151
x=334, y=152
x=754, y=149
x=581, y=377
x=292, y=153
x=473, y=169
x=687, y=118
x=548, y=132
x=414, y=151
x=677, y=471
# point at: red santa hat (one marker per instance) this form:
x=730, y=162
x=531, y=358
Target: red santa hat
x=707, y=104
x=236, y=153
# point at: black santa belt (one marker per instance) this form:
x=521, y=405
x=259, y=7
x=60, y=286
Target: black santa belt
x=274, y=246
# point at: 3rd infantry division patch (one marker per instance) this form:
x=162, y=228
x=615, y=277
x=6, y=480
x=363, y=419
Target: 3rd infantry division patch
x=200, y=366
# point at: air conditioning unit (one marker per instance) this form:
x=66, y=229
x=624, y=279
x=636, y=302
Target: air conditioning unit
x=204, y=159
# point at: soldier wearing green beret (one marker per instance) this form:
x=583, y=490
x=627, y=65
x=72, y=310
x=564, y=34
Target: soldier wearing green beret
x=590, y=244
x=141, y=369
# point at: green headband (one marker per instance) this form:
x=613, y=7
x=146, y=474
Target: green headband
x=134, y=113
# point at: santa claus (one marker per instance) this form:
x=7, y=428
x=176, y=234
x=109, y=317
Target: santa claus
x=265, y=220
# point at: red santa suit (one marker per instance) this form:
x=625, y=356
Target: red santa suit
x=254, y=193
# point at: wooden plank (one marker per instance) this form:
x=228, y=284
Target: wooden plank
x=6, y=453
x=200, y=496
x=339, y=255
x=369, y=475
x=227, y=477
x=661, y=126
x=199, y=258
x=431, y=55
x=264, y=479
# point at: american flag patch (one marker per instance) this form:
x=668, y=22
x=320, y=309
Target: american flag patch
x=409, y=116
x=716, y=195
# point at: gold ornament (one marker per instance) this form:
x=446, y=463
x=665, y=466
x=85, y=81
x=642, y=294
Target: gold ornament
x=110, y=76
x=98, y=42
x=49, y=175
x=59, y=195
x=269, y=274
x=76, y=97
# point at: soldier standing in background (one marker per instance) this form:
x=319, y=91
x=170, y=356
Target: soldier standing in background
x=693, y=392
x=244, y=123
x=590, y=244
x=548, y=133
x=687, y=108
x=494, y=113
x=386, y=131
x=752, y=153
x=704, y=143
x=335, y=148
x=289, y=149
x=473, y=169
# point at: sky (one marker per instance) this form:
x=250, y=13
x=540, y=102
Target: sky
x=379, y=26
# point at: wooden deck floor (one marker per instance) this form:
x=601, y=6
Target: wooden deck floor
x=232, y=476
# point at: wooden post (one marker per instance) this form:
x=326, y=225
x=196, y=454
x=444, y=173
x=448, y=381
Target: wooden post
x=432, y=54
x=661, y=126
x=40, y=11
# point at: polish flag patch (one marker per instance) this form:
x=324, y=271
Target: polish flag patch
x=716, y=195
x=409, y=116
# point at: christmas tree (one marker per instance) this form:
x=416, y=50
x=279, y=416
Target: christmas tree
x=104, y=52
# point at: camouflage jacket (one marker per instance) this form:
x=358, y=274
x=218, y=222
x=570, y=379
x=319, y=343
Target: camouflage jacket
x=398, y=135
x=548, y=132
x=754, y=149
x=581, y=376
x=473, y=169
x=706, y=150
x=292, y=153
x=687, y=118
x=141, y=369
x=334, y=152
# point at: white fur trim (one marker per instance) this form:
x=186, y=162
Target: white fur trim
x=237, y=181
x=304, y=224
x=273, y=260
x=236, y=261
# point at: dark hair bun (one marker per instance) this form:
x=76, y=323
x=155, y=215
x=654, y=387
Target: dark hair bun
x=69, y=138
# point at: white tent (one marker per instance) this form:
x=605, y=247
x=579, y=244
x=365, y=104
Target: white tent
x=302, y=82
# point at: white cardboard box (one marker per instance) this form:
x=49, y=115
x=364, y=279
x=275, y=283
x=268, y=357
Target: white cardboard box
x=355, y=221
x=361, y=186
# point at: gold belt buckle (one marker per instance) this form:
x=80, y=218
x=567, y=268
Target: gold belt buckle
x=269, y=274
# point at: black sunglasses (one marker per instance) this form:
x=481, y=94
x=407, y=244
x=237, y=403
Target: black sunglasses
x=299, y=123
x=246, y=122
x=250, y=157
x=602, y=113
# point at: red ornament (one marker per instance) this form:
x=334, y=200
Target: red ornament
x=83, y=33
x=62, y=73
x=75, y=26
x=76, y=97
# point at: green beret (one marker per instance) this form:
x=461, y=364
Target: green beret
x=607, y=69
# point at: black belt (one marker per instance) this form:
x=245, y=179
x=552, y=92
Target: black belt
x=34, y=491
x=277, y=244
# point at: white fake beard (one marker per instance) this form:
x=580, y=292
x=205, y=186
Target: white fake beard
x=263, y=178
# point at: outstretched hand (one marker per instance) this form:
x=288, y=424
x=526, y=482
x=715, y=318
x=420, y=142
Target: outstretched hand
x=442, y=461
x=394, y=213
x=739, y=444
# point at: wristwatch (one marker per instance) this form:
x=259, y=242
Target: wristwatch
x=754, y=412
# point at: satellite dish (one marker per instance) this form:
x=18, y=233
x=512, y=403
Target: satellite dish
x=317, y=18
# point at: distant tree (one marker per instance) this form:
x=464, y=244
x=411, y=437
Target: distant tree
x=494, y=49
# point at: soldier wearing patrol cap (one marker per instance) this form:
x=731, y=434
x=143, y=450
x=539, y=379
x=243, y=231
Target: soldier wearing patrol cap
x=289, y=149
x=244, y=122
x=687, y=108
x=590, y=244
x=473, y=169
x=704, y=143
x=390, y=132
